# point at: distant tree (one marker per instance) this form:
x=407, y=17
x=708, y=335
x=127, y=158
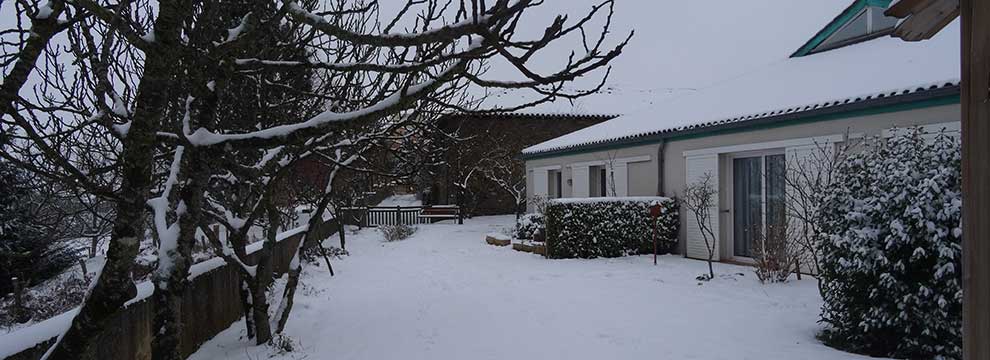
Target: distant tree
x=27, y=252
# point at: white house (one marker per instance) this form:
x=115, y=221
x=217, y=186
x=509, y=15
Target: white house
x=849, y=78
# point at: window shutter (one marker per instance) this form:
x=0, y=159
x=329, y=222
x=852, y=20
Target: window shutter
x=540, y=182
x=697, y=167
x=620, y=177
x=580, y=176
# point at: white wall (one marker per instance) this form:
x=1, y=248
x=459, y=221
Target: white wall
x=642, y=176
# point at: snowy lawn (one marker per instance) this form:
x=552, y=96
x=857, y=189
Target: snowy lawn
x=401, y=200
x=445, y=294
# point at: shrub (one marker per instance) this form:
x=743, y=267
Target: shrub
x=531, y=227
x=775, y=255
x=608, y=227
x=27, y=251
x=891, y=250
x=397, y=232
x=58, y=295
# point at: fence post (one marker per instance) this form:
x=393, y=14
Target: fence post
x=20, y=315
x=398, y=215
x=94, y=244
x=460, y=216
x=85, y=271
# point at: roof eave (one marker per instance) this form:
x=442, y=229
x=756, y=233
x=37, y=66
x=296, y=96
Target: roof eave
x=781, y=119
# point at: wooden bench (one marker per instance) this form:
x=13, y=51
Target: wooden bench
x=442, y=212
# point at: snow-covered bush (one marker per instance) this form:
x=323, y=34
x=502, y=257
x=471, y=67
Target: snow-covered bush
x=608, y=227
x=396, y=232
x=58, y=295
x=531, y=226
x=27, y=251
x=891, y=250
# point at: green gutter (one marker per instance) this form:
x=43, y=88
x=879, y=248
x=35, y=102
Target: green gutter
x=946, y=96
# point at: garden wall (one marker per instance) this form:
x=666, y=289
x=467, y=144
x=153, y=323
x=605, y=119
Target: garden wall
x=210, y=305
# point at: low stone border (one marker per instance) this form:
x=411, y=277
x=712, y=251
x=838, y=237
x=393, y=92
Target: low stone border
x=498, y=239
x=530, y=248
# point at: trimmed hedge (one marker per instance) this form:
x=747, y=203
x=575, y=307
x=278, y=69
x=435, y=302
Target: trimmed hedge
x=608, y=227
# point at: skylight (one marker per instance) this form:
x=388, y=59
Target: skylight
x=861, y=21
x=868, y=24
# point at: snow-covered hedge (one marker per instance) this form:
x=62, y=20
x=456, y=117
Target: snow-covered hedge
x=531, y=227
x=891, y=250
x=608, y=227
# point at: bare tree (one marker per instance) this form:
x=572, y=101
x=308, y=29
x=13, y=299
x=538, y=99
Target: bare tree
x=699, y=199
x=143, y=116
x=810, y=173
x=509, y=173
x=609, y=165
x=774, y=253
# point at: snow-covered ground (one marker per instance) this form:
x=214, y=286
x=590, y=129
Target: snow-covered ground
x=445, y=294
x=401, y=200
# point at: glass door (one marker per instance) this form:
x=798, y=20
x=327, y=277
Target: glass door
x=747, y=199
x=757, y=201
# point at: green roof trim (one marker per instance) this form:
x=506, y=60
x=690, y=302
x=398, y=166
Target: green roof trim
x=847, y=15
x=944, y=98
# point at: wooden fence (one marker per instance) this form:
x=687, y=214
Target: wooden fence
x=210, y=305
x=395, y=215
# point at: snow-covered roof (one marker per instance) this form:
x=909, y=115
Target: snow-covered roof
x=877, y=68
x=678, y=46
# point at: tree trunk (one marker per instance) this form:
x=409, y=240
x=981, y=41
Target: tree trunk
x=263, y=278
x=114, y=285
x=296, y=266
x=169, y=287
x=246, y=303
x=259, y=308
x=93, y=246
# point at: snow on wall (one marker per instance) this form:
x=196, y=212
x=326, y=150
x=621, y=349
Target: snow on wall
x=26, y=338
x=592, y=200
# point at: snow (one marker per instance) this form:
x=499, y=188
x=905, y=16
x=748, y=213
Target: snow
x=610, y=199
x=882, y=66
x=401, y=200
x=122, y=129
x=445, y=294
x=144, y=290
x=235, y=32
x=44, y=11
x=679, y=46
x=32, y=335
x=498, y=236
x=168, y=234
x=26, y=337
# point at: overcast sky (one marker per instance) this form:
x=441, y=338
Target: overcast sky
x=678, y=44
